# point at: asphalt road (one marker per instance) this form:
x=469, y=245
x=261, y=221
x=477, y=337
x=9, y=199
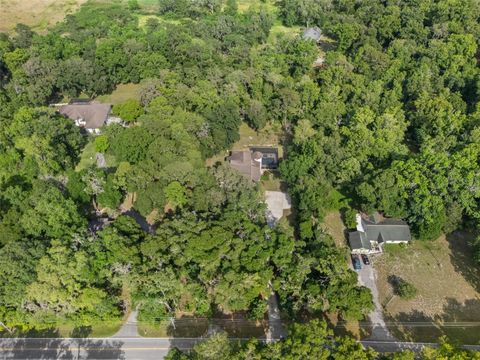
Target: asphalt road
x=77, y=348
x=135, y=348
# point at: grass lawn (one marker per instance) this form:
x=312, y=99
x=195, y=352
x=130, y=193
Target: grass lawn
x=88, y=157
x=101, y=329
x=268, y=136
x=197, y=327
x=244, y=5
x=39, y=14
x=447, y=282
x=183, y=328
x=160, y=329
x=104, y=329
x=122, y=93
x=333, y=225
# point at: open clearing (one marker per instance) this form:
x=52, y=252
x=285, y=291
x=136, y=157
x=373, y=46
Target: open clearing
x=268, y=136
x=88, y=157
x=447, y=282
x=333, y=225
x=39, y=14
x=122, y=93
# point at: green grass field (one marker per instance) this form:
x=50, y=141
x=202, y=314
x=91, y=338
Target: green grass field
x=122, y=93
x=88, y=157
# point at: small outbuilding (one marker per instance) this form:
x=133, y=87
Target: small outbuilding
x=90, y=115
x=312, y=33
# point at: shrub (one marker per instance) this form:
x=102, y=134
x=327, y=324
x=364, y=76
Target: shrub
x=405, y=289
x=101, y=143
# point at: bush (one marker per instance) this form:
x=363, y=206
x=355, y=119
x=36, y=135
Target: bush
x=101, y=144
x=403, y=288
x=129, y=110
x=351, y=218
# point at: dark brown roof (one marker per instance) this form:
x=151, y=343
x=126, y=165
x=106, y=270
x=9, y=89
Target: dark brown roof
x=94, y=114
x=242, y=161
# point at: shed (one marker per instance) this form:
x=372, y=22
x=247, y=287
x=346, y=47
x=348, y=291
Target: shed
x=312, y=33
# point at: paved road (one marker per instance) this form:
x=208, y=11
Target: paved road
x=73, y=349
x=129, y=327
x=137, y=348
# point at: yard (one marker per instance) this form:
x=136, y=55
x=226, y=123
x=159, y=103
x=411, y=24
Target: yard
x=237, y=327
x=41, y=14
x=122, y=93
x=88, y=157
x=447, y=283
x=333, y=225
x=268, y=136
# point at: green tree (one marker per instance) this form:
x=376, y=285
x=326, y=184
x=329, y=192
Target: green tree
x=176, y=194
x=101, y=143
x=129, y=110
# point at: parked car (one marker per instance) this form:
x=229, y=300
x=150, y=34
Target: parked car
x=357, y=265
x=365, y=259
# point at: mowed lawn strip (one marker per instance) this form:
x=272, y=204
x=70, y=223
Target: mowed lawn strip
x=447, y=283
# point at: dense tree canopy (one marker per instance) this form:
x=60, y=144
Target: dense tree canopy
x=389, y=122
x=394, y=122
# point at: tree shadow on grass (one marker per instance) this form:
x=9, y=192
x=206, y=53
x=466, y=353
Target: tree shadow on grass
x=460, y=323
x=462, y=259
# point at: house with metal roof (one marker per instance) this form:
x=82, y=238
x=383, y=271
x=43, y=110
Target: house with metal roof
x=371, y=235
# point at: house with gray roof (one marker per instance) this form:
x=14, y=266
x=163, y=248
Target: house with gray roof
x=372, y=234
x=90, y=115
x=252, y=162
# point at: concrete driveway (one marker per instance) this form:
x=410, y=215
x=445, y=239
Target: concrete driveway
x=367, y=278
x=276, y=201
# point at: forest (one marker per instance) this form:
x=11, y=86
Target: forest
x=212, y=251
x=390, y=122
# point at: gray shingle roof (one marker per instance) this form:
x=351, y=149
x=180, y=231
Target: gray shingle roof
x=242, y=161
x=358, y=240
x=94, y=114
x=388, y=230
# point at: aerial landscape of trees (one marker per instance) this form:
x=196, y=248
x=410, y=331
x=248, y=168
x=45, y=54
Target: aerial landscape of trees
x=389, y=122
x=395, y=117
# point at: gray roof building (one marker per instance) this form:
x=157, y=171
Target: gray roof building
x=90, y=115
x=247, y=163
x=312, y=33
x=371, y=235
